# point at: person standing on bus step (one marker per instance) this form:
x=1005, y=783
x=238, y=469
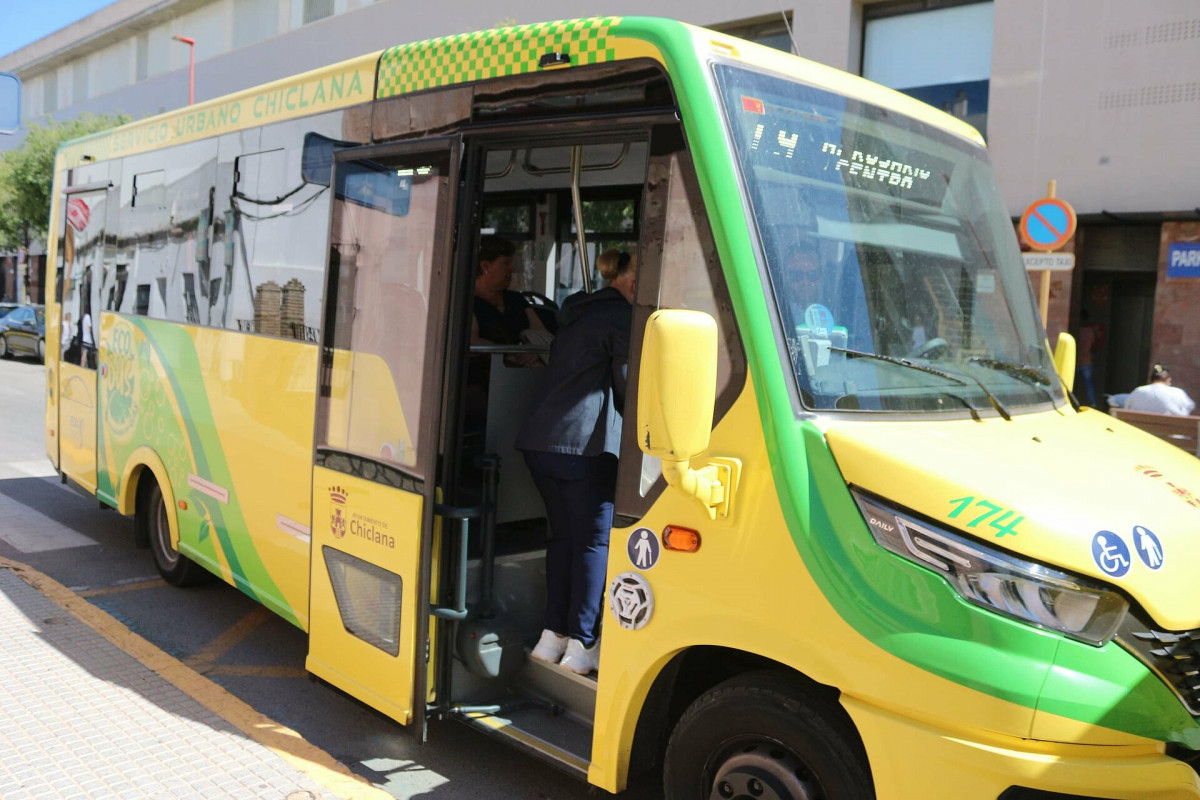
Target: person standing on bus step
x=1159, y=396
x=571, y=440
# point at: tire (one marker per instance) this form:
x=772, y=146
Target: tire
x=174, y=567
x=4, y=351
x=41, y=350
x=765, y=736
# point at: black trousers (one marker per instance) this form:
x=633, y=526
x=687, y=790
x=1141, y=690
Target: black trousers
x=578, y=492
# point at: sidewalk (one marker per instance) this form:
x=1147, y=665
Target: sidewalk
x=90, y=710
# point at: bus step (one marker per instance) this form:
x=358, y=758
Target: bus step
x=575, y=693
x=557, y=739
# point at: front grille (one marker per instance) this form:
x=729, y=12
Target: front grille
x=1173, y=655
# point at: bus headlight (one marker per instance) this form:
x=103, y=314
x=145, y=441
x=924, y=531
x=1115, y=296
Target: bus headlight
x=997, y=580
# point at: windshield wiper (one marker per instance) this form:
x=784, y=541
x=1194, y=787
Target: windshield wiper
x=920, y=368
x=1016, y=370
x=1034, y=377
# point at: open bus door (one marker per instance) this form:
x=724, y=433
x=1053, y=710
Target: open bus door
x=81, y=265
x=378, y=422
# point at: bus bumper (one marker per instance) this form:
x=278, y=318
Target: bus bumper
x=911, y=758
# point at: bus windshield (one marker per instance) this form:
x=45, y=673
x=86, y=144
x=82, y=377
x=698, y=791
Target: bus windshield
x=890, y=256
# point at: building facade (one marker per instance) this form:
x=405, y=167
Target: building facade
x=1097, y=95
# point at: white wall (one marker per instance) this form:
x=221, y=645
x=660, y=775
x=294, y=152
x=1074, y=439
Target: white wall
x=1101, y=95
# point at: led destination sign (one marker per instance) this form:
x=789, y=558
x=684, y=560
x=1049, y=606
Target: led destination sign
x=817, y=143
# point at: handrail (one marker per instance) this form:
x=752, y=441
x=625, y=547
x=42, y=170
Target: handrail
x=577, y=207
x=464, y=514
x=531, y=169
x=508, y=349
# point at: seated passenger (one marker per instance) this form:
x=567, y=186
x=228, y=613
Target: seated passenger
x=500, y=315
x=1159, y=396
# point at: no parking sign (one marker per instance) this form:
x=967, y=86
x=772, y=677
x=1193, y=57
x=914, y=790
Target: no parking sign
x=1048, y=224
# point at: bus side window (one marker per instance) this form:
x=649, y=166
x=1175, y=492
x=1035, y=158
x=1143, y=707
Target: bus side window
x=680, y=269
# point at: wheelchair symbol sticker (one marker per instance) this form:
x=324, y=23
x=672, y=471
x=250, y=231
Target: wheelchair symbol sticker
x=1148, y=547
x=1110, y=553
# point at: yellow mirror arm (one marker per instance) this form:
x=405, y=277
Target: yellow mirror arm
x=713, y=484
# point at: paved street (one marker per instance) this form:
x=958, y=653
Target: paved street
x=214, y=630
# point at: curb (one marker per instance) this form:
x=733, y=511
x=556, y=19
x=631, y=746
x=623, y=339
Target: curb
x=286, y=743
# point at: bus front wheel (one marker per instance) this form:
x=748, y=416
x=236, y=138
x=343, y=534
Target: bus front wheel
x=174, y=567
x=753, y=737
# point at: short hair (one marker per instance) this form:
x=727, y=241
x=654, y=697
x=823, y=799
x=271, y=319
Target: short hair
x=1159, y=373
x=493, y=247
x=614, y=262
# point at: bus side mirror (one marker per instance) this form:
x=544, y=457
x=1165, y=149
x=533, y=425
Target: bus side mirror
x=1064, y=359
x=677, y=386
x=10, y=103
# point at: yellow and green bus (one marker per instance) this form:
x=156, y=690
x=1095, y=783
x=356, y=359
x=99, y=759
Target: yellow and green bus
x=866, y=543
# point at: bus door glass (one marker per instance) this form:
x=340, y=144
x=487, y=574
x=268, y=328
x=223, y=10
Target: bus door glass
x=82, y=251
x=377, y=422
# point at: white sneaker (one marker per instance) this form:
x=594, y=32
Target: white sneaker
x=550, y=647
x=580, y=659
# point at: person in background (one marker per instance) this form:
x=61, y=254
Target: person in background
x=1089, y=341
x=87, y=357
x=68, y=334
x=1159, y=396
x=571, y=440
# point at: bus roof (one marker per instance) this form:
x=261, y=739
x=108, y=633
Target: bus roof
x=469, y=57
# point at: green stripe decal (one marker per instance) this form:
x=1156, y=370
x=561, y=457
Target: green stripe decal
x=208, y=522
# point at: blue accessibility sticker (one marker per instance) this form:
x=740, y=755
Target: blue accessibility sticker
x=819, y=319
x=1148, y=546
x=1111, y=553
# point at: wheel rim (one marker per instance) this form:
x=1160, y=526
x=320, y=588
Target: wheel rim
x=41, y=350
x=3, y=346
x=167, y=555
x=763, y=770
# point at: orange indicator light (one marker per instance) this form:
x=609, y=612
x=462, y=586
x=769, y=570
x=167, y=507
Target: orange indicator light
x=684, y=540
x=182, y=505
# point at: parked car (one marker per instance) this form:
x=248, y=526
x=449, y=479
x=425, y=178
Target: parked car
x=23, y=332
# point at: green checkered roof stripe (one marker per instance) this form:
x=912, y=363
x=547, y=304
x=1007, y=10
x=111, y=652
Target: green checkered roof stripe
x=491, y=54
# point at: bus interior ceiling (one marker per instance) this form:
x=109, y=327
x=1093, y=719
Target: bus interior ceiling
x=527, y=199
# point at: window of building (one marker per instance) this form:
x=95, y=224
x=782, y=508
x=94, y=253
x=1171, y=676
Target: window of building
x=773, y=31
x=317, y=9
x=938, y=51
x=79, y=81
x=142, y=58
x=49, y=92
x=254, y=20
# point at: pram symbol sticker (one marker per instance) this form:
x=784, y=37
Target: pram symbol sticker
x=1148, y=547
x=643, y=548
x=1111, y=553
x=631, y=600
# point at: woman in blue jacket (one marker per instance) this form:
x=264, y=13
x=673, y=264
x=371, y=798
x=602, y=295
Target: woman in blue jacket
x=571, y=440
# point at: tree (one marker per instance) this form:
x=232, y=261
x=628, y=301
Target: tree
x=26, y=174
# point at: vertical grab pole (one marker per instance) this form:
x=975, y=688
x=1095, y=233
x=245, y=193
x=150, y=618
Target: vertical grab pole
x=580, y=235
x=491, y=483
